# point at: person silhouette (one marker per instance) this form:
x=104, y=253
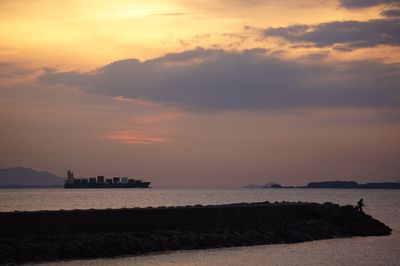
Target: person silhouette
x=360, y=204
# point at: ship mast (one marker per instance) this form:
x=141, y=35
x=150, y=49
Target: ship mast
x=70, y=177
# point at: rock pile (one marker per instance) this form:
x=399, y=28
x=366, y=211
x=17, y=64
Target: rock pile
x=309, y=222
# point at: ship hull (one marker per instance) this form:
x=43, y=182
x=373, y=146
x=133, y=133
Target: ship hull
x=105, y=185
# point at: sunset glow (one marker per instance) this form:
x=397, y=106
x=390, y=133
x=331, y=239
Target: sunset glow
x=130, y=137
x=221, y=92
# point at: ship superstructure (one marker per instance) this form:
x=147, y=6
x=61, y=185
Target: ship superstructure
x=102, y=182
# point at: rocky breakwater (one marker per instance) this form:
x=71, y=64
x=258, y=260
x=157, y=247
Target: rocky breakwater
x=53, y=235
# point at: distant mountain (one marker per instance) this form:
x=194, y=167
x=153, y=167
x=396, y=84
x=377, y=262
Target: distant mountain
x=267, y=185
x=20, y=176
x=272, y=185
x=385, y=185
x=352, y=184
x=333, y=184
x=253, y=186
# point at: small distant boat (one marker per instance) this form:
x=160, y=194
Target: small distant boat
x=102, y=182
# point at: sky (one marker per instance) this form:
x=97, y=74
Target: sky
x=202, y=94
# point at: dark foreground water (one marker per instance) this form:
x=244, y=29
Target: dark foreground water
x=381, y=204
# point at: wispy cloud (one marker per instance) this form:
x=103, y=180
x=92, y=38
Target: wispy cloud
x=151, y=128
x=170, y=14
x=138, y=102
x=134, y=137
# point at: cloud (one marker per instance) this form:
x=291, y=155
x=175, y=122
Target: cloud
x=6, y=64
x=342, y=35
x=170, y=14
x=134, y=137
x=207, y=79
x=13, y=73
x=391, y=13
x=352, y=4
x=146, y=129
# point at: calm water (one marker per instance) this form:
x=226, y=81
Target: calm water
x=382, y=204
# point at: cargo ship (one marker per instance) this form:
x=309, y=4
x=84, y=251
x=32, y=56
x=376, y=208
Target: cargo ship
x=102, y=182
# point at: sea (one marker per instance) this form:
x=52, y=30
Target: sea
x=383, y=205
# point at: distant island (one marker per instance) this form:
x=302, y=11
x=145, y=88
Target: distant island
x=353, y=184
x=267, y=185
x=21, y=177
x=334, y=184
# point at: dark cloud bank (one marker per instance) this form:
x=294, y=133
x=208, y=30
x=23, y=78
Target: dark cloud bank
x=366, y=3
x=391, y=13
x=347, y=35
x=207, y=79
x=343, y=35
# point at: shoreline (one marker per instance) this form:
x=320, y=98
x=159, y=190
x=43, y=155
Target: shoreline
x=78, y=234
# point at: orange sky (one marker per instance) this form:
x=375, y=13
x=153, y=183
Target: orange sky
x=58, y=109
x=74, y=34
